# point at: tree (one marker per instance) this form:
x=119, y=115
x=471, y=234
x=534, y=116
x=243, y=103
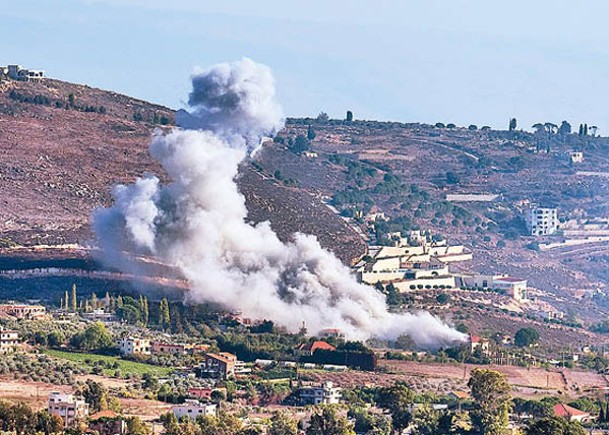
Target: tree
x=47, y=423
x=23, y=418
x=564, y=129
x=440, y=125
x=554, y=426
x=512, y=125
x=74, y=299
x=443, y=298
x=282, y=424
x=94, y=300
x=301, y=144
x=349, y=116
x=94, y=337
x=135, y=426
x=491, y=393
x=452, y=178
x=526, y=337
x=66, y=302
x=327, y=422
x=95, y=394
x=323, y=118
x=164, y=315
x=370, y=423
x=397, y=399
x=472, y=127
x=223, y=424
x=311, y=133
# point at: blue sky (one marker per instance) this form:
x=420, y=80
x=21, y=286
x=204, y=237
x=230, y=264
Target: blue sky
x=461, y=61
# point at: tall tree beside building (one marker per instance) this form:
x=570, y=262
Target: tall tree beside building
x=145, y=312
x=513, y=123
x=349, y=116
x=74, y=300
x=491, y=393
x=66, y=302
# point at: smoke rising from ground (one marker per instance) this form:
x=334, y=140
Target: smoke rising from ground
x=197, y=223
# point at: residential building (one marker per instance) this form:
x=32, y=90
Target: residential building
x=570, y=413
x=131, y=345
x=100, y=315
x=542, y=221
x=9, y=340
x=515, y=287
x=17, y=72
x=576, y=157
x=325, y=393
x=308, y=349
x=165, y=348
x=217, y=366
x=479, y=342
x=68, y=407
x=193, y=408
x=21, y=311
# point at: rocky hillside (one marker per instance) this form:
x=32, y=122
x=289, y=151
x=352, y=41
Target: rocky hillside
x=63, y=146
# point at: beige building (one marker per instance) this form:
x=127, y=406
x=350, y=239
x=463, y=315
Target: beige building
x=29, y=312
x=9, y=340
x=17, y=72
x=515, y=287
x=320, y=394
x=131, y=345
x=192, y=409
x=69, y=408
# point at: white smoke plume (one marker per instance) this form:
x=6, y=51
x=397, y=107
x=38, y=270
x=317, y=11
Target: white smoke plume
x=197, y=223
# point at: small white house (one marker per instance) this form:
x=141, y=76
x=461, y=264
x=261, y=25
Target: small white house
x=326, y=394
x=131, y=345
x=193, y=408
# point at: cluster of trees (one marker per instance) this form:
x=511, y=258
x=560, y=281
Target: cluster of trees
x=60, y=104
x=20, y=419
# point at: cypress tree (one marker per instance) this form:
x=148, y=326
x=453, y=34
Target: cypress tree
x=74, y=303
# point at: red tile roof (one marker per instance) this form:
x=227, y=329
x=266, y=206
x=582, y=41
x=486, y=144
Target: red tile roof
x=566, y=411
x=312, y=347
x=104, y=414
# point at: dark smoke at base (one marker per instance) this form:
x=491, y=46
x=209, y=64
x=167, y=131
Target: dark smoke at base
x=196, y=224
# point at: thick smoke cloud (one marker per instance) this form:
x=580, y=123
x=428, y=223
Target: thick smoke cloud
x=197, y=223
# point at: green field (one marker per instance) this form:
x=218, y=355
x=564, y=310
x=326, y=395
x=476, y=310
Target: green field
x=88, y=360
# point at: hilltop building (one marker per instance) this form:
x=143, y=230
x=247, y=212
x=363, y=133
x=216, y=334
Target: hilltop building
x=17, y=72
x=321, y=394
x=542, y=221
x=576, y=157
x=68, y=407
x=416, y=262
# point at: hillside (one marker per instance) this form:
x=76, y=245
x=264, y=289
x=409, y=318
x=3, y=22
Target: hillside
x=63, y=146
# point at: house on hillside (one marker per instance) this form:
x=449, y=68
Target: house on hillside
x=542, y=221
x=476, y=342
x=17, y=72
x=570, y=413
x=515, y=287
x=308, y=349
x=193, y=409
x=319, y=394
x=217, y=366
x=68, y=407
x=9, y=340
x=21, y=311
x=132, y=345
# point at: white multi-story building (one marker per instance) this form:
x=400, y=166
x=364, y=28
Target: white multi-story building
x=17, y=72
x=326, y=394
x=542, y=221
x=193, y=408
x=9, y=340
x=131, y=345
x=68, y=407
